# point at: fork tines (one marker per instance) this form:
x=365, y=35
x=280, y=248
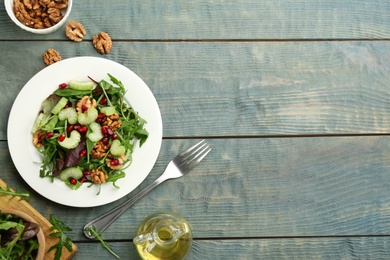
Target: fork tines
x=193, y=155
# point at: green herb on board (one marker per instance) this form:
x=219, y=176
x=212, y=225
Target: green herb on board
x=59, y=229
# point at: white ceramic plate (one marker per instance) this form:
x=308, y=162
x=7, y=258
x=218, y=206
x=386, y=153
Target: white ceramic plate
x=25, y=110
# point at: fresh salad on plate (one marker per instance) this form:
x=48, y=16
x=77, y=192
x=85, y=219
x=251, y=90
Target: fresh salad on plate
x=86, y=132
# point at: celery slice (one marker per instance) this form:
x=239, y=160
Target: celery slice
x=70, y=114
x=96, y=132
x=88, y=117
x=72, y=141
x=72, y=172
x=57, y=108
x=117, y=149
x=81, y=85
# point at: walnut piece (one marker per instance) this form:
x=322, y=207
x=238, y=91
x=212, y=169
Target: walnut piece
x=55, y=15
x=75, y=31
x=51, y=56
x=112, y=122
x=99, y=150
x=118, y=162
x=98, y=176
x=102, y=43
x=37, y=138
x=85, y=102
x=39, y=14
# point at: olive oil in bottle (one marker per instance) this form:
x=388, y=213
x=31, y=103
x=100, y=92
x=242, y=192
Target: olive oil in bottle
x=163, y=236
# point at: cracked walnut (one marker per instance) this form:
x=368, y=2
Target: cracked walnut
x=99, y=150
x=39, y=14
x=75, y=31
x=51, y=56
x=98, y=176
x=113, y=122
x=85, y=103
x=102, y=43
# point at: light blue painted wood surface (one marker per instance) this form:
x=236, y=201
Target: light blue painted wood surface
x=223, y=20
x=241, y=89
x=292, y=95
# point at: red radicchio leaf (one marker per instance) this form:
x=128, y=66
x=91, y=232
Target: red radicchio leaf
x=73, y=156
x=59, y=166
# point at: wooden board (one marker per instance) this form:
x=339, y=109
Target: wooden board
x=8, y=202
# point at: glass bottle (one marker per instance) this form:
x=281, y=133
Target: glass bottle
x=163, y=236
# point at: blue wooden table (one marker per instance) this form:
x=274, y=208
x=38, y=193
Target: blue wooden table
x=293, y=96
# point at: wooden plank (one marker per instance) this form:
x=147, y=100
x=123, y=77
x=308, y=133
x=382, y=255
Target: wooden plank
x=204, y=19
x=8, y=203
x=239, y=89
x=258, y=187
x=291, y=248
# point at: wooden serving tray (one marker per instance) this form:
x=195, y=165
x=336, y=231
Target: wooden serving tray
x=8, y=202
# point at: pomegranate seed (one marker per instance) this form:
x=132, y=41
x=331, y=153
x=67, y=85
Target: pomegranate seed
x=69, y=128
x=86, y=173
x=72, y=181
x=63, y=85
x=105, y=141
x=76, y=127
x=104, y=130
x=82, y=179
x=61, y=138
x=100, y=118
x=114, y=136
x=114, y=162
x=84, y=107
x=103, y=101
x=49, y=135
x=83, y=129
x=66, y=106
x=83, y=153
x=109, y=131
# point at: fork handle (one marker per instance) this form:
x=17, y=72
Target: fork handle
x=105, y=220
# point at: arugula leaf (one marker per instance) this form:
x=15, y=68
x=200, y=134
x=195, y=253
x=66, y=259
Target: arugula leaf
x=16, y=193
x=59, y=231
x=116, y=176
x=118, y=83
x=98, y=235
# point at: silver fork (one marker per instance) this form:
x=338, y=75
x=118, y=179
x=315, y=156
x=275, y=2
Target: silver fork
x=179, y=166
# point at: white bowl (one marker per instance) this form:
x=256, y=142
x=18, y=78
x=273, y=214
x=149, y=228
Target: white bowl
x=9, y=6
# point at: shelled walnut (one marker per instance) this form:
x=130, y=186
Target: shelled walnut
x=102, y=42
x=85, y=102
x=113, y=122
x=75, y=31
x=39, y=14
x=51, y=56
x=98, y=176
x=37, y=138
x=99, y=150
x=115, y=163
